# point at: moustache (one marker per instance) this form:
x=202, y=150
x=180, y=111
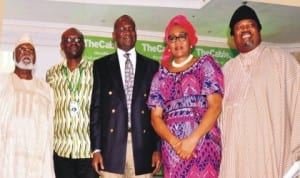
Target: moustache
x=27, y=57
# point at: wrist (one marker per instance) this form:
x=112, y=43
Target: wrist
x=95, y=151
x=174, y=142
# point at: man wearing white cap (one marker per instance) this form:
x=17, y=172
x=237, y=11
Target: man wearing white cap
x=26, y=121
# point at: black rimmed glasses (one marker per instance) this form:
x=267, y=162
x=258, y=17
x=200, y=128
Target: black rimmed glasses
x=181, y=37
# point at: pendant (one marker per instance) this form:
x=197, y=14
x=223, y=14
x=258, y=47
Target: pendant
x=74, y=108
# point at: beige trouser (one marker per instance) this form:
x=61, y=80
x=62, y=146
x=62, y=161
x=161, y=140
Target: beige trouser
x=129, y=165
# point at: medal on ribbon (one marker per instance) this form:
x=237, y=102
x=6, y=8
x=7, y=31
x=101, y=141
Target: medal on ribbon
x=74, y=104
x=74, y=108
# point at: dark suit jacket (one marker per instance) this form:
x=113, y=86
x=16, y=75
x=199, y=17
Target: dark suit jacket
x=108, y=117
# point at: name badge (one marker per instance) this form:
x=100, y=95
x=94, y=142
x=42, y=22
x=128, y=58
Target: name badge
x=74, y=108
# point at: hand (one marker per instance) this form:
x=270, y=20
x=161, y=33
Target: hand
x=185, y=148
x=97, y=161
x=156, y=162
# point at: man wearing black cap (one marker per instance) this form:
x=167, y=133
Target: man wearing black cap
x=260, y=121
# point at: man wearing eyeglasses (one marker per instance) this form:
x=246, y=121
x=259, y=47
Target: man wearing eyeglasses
x=72, y=82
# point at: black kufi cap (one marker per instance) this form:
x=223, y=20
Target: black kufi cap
x=243, y=12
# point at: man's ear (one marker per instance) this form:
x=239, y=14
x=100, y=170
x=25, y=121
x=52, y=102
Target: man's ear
x=113, y=34
x=62, y=46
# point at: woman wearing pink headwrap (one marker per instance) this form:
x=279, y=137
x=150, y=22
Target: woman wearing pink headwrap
x=185, y=101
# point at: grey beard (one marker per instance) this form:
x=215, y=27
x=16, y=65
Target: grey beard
x=248, y=44
x=24, y=66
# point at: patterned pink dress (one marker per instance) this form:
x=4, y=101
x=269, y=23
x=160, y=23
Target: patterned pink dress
x=183, y=97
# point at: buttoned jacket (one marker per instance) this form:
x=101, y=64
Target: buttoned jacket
x=109, y=118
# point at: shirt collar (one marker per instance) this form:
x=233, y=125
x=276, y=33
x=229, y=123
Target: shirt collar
x=131, y=52
x=82, y=63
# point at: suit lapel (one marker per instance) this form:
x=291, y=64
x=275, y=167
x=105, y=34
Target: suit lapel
x=139, y=75
x=116, y=77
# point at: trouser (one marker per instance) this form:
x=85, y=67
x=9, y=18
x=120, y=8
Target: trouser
x=129, y=166
x=73, y=168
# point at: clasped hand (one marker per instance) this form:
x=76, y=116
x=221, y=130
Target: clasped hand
x=185, y=148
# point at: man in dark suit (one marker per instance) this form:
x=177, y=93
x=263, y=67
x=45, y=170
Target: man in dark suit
x=122, y=138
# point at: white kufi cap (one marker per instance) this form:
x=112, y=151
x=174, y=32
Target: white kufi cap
x=25, y=38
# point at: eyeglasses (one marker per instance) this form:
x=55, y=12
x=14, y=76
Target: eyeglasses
x=72, y=40
x=181, y=37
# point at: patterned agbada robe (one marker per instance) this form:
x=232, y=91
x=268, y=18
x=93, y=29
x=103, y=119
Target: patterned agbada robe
x=183, y=97
x=26, y=128
x=260, y=122
x=72, y=133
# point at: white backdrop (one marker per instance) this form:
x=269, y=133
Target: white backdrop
x=46, y=37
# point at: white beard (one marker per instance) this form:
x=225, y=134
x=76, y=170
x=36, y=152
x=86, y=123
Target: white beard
x=25, y=66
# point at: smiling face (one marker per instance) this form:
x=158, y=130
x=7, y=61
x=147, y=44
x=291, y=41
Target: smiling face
x=24, y=56
x=72, y=43
x=124, y=33
x=178, y=42
x=246, y=35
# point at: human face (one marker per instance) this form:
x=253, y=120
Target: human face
x=178, y=42
x=24, y=56
x=124, y=33
x=72, y=43
x=246, y=35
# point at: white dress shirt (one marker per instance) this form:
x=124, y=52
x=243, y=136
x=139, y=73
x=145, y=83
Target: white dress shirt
x=122, y=60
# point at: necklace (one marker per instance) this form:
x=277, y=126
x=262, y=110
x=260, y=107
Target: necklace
x=174, y=64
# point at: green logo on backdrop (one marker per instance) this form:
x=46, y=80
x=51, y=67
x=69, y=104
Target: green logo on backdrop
x=97, y=47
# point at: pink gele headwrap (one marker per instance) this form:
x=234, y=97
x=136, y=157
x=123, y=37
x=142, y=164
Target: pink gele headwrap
x=182, y=21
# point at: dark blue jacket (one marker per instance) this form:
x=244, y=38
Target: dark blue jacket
x=108, y=116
